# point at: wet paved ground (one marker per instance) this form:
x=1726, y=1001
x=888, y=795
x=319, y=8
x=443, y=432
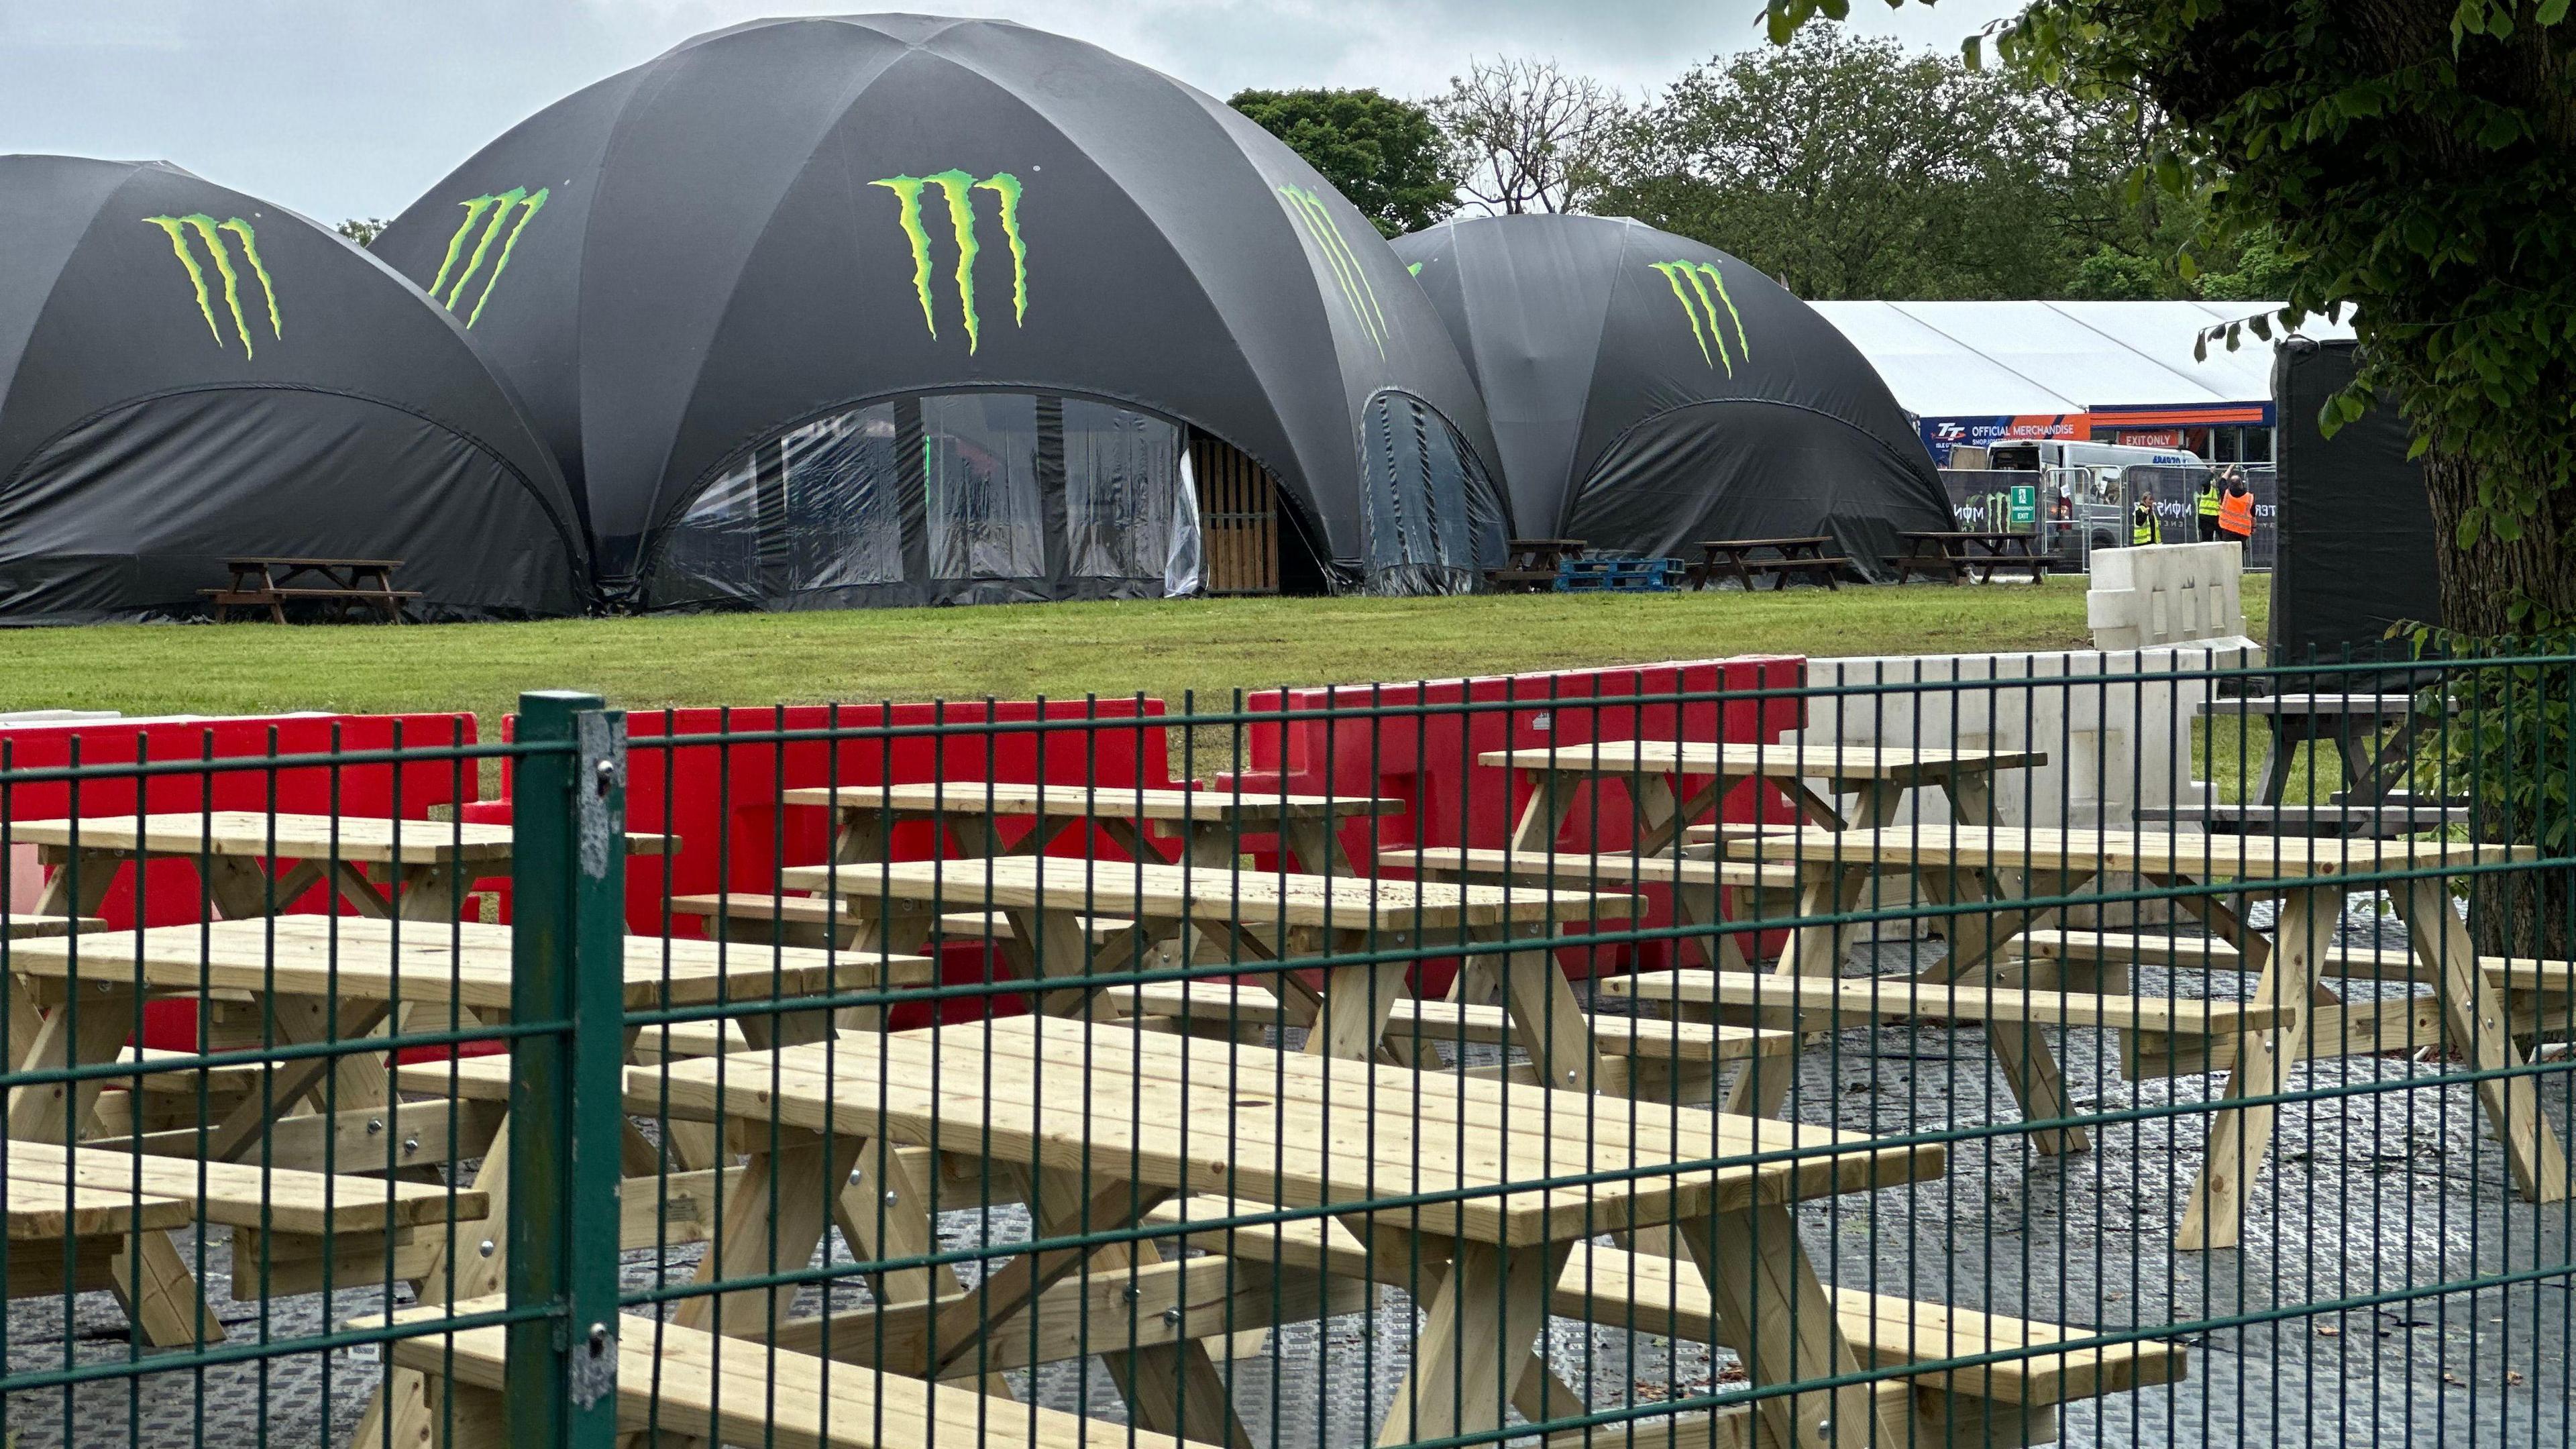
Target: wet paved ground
x=2368, y=1196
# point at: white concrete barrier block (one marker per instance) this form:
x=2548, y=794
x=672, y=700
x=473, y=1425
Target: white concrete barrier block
x=2169, y=593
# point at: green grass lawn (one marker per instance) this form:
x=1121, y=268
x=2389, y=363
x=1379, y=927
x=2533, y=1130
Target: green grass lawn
x=1165, y=649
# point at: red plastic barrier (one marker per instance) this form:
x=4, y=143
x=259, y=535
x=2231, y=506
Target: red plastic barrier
x=1428, y=760
x=170, y=888
x=721, y=801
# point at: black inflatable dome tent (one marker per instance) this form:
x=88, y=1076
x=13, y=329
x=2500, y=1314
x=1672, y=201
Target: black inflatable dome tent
x=192, y=374
x=899, y=309
x=1648, y=392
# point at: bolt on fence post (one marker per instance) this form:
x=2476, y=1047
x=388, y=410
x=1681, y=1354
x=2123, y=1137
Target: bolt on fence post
x=568, y=877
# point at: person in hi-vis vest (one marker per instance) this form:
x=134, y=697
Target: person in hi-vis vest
x=2142, y=522
x=2236, y=510
x=2207, y=505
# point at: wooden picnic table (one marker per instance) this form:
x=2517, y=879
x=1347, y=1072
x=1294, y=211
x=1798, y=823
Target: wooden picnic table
x=1096, y=1126
x=1954, y=553
x=342, y=583
x=1998, y=865
x=324, y=979
x=2353, y=722
x=423, y=866
x=1531, y=565
x=1271, y=916
x=1790, y=555
x=1211, y=822
x=1878, y=774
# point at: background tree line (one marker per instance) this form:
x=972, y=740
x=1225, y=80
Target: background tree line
x=1844, y=167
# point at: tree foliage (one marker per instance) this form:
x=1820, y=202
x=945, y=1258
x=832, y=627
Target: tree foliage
x=1385, y=154
x=1854, y=168
x=362, y=230
x=2410, y=162
x=1850, y=168
x=1524, y=135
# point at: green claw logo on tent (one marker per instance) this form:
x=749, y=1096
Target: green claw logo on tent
x=211, y=233
x=1692, y=284
x=958, y=188
x=487, y=220
x=1357, y=294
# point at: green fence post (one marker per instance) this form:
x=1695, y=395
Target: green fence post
x=568, y=879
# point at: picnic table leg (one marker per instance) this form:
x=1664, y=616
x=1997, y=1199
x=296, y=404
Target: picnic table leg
x=1773, y=1311
x=1317, y=844
x=433, y=892
x=43, y=1113
x=306, y=1020
x=2369, y=762
x=2021, y=1053
x=1357, y=1000
x=772, y=1223
x=152, y=1279
x=885, y=1213
x=1551, y=800
x=2286, y=738
x=1486, y=1314
x=865, y=832
x=1813, y=950
x=2239, y=1137
x=1546, y=1019
x=2473, y=1019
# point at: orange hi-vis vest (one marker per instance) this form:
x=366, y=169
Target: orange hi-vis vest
x=2236, y=514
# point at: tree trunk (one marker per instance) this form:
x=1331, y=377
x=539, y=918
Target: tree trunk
x=2481, y=583
x=2513, y=913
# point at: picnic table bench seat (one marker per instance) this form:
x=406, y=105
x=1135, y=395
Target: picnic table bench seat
x=2007, y=1402
x=2381, y=963
x=74, y=1215
x=1226, y=1006
x=2539, y=997
x=27, y=925
x=1853, y=1000
x=823, y=913
x=690, y=1384
x=1610, y=869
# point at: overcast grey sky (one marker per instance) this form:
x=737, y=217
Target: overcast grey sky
x=345, y=108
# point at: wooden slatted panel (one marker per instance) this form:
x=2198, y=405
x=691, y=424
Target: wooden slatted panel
x=1238, y=519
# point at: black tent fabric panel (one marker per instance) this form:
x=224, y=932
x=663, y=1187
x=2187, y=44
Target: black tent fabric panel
x=521, y=300
x=790, y=342
x=1595, y=338
x=1531, y=328
x=174, y=288
x=777, y=223
x=2356, y=526
x=49, y=203
x=1748, y=470
x=130, y=515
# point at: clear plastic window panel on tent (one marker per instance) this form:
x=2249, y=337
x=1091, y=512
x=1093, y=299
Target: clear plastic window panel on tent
x=1060, y=496
x=979, y=463
x=1122, y=492
x=1432, y=522
x=816, y=508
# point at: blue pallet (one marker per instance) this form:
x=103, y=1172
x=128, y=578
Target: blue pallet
x=1618, y=575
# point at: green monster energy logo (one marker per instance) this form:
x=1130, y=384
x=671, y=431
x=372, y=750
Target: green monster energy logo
x=1357, y=294
x=1702, y=278
x=959, y=189
x=211, y=232
x=486, y=217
